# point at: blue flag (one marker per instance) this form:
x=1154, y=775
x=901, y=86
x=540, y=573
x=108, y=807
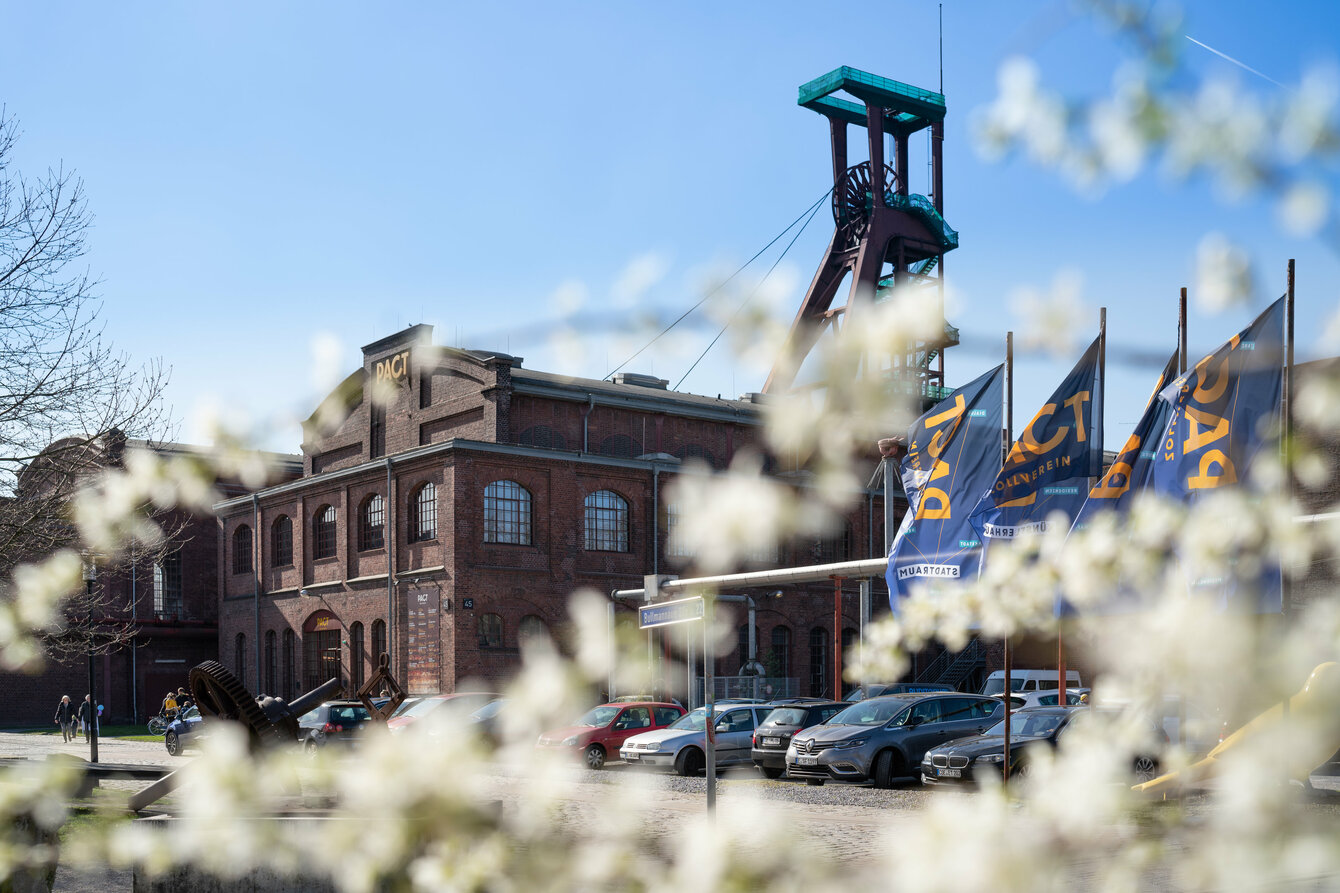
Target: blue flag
x=1133, y=468
x=1048, y=467
x=1225, y=411
x=953, y=456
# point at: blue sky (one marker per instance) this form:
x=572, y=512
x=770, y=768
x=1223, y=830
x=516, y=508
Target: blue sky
x=269, y=176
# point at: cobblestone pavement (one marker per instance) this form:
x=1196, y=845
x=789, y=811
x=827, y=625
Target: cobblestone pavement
x=844, y=821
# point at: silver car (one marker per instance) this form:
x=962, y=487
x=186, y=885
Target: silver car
x=884, y=738
x=683, y=744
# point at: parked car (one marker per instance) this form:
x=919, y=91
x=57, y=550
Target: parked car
x=773, y=735
x=875, y=689
x=601, y=731
x=683, y=745
x=968, y=760
x=334, y=722
x=1019, y=701
x=465, y=702
x=884, y=738
x=184, y=731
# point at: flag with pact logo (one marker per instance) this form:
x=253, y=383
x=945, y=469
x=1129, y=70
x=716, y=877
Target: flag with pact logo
x=1133, y=468
x=1224, y=412
x=1049, y=467
x=953, y=456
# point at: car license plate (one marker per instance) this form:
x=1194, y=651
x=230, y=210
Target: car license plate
x=772, y=742
x=949, y=773
x=631, y=757
x=807, y=761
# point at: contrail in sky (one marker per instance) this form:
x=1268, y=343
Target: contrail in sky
x=1242, y=65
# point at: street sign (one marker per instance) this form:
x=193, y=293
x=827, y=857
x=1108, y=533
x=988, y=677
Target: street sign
x=666, y=613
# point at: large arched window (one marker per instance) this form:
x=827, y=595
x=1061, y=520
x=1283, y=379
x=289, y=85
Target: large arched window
x=281, y=542
x=372, y=523
x=323, y=532
x=271, y=663
x=356, y=656
x=606, y=522
x=240, y=657
x=378, y=641
x=242, y=549
x=694, y=451
x=490, y=631
x=290, y=657
x=167, y=585
x=779, y=659
x=507, y=513
x=819, y=662
x=423, y=513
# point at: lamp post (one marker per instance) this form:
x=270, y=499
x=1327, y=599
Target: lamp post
x=91, y=577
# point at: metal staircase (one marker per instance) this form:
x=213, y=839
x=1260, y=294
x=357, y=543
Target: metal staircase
x=951, y=669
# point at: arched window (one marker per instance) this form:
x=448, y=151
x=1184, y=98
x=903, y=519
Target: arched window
x=356, y=656
x=322, y=656
x=744, y=642
x=378, y=641
x=819, y=662
x=507, y=513
x=779, y=658
x=271, y=663
x=532, y=626
x=693, y=451
x=423, y=513
x=490, y=631
x=242, y=550
x=323, y=532
x=290, y=656
x=281, y=542
x=606, y=522
x=372, y=523
x=240, y=657
x=544, y=437
x=620, y=446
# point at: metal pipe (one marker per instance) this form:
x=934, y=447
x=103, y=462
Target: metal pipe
x=134, y=634
x=1009, y=441
x=866, y=591
x=390, y=574
x=609, y=644
x=255, y=585
x=586, y=418
x=869, y=567
x=709, y=702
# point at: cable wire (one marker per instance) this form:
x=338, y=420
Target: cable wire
x=810, y=211
x=745, y=302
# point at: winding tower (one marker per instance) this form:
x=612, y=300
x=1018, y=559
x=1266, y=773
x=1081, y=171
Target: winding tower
x=883, y=235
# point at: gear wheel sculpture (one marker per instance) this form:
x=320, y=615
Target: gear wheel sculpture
x=222, y=695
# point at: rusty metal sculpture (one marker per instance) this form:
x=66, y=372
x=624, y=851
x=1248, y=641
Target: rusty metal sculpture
x=221, y=696
x=379, y=681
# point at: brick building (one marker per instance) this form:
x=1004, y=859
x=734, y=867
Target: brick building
x=449, y=520
x=166, y=603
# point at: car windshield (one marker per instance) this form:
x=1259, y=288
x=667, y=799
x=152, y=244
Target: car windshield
x=997, y=685
x=692, y=722
x=598, y=716
x=1024, y=725
x=425, y=706
x=787, y=716
x=874, y=712
x=489, y=710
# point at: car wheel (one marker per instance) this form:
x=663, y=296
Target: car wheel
x=689, y=762
x=883, y=774
x=1146, y=769
x=1023, y=769
x=814, y=782
x=595, y=757
x=173, y=744
x=309, y=747
x=772, y=771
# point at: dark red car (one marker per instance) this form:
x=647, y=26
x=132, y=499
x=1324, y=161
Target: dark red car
x=602, y=730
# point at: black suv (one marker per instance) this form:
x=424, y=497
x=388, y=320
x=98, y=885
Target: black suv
x=774, y=733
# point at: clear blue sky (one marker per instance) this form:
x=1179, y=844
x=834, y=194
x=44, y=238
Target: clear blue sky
x=264, y=175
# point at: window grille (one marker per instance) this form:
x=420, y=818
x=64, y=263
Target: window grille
x=507, y=513
x=606, y=522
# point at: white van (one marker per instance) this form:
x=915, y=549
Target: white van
x=1029, y=680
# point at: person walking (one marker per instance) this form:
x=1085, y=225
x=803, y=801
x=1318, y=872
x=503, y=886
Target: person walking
x=86, y=717
x=65, y=717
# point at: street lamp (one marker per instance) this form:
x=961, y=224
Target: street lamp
x=91, y=577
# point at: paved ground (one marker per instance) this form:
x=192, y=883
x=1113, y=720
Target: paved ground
x=840, y=819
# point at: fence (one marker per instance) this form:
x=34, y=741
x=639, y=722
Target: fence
x=762, y=687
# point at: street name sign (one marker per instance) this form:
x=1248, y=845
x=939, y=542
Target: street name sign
x=666, y=613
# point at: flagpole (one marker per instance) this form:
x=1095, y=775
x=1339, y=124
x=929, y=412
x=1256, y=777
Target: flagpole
x=1286, y=412
x=1181, y=333
x=1005, y=451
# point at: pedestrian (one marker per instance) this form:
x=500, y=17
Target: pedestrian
x=170, y=706
x=65, y=718
x=183, y=699
x=86, y=717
